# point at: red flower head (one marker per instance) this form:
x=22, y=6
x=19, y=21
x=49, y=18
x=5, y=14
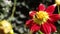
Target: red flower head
x=43, y=19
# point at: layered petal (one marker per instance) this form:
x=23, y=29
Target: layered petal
x=54, y=17
x=51, y=9
x=41, y=7
x=29, y=22
x=32, y=13
x=53, y=27
x=35, y=28
x=45, y=28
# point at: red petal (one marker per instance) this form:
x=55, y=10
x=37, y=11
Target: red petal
x=41, y=7
x=53, y=28
x=54, y=17
x=51, y=9
x=35, y=28
x=32, y=13
x=45, y=28
x=29, y=22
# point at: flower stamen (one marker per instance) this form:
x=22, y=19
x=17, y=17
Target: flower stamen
x=41, y=17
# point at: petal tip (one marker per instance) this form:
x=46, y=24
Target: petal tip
x=41, y=7
x=41, y=4
x=54, y=4
x=30, y=12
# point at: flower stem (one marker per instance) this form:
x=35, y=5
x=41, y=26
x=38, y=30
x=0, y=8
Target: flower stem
x=30, y=32
x=58, y=10
x=40, y=32
x=13, y=10
x=12, y=15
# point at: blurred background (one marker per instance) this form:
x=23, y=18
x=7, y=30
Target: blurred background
x=21, y=13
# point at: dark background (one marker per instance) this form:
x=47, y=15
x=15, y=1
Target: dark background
x=23, y=8
x=22, y=13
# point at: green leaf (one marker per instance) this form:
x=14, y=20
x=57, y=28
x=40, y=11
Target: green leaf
x=40, y=32
x=58, y=21
x=48, y=0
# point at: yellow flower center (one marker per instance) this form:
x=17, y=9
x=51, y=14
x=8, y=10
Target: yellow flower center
x=41, y=17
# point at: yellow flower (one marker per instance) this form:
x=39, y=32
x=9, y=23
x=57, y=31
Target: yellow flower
x=57, y=2
x=6, y=27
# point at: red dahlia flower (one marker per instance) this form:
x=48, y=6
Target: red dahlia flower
x=43, y=20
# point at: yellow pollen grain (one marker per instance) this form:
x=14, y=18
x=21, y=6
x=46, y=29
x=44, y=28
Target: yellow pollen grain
x=41, y=15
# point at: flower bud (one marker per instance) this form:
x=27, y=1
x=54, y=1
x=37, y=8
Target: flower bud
x=57, y=2
x=5, y=27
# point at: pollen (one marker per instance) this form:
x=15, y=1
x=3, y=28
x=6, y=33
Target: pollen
x=41, y=17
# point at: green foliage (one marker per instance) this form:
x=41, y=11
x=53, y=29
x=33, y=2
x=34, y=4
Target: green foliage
x=39, y=32
x=23, y=6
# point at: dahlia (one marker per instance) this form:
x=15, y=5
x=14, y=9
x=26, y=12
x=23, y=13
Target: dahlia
x=43, y=19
